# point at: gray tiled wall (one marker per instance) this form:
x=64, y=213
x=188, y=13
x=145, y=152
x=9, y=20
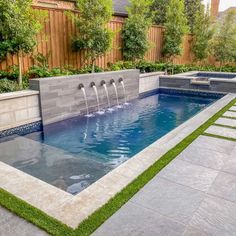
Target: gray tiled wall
x=218, y=85
x=61, y=99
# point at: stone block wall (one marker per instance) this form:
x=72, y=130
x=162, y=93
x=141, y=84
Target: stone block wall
x=60, y=97
x=19, y=108
x=149, y=82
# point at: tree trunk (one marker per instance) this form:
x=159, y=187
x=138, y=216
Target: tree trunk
x=20, y=68
x=93, y=65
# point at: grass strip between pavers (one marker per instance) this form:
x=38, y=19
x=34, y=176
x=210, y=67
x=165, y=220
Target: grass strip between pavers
x=229, y=117
x=219, y=137
x=88, y=226
x=225, y=126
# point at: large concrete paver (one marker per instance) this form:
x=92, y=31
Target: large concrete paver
x=214, y=144
x=136, y=221
x=12, y=225
x=233, y=108
x=230, y=114
x=192, y=190
x=170, y=199
x=222, y=131
x=226, y=121
x=190, y=175
x=215, y=216
x=224, y=186
x=204, y=157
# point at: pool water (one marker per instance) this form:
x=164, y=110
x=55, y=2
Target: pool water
x=74, y=153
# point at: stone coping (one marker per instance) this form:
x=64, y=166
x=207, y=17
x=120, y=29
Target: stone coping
x=18, y=94
x=84, y=75
x=189, y=75
x=151, y=74
x=72, y=210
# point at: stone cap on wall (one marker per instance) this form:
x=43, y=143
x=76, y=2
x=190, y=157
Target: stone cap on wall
x=23, y=93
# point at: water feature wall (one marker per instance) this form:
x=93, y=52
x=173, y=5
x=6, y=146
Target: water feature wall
x=63, y=97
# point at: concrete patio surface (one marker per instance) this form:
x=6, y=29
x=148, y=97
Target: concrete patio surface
x=12, y=225
x=194, y=195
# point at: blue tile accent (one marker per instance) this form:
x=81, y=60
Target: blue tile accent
x=191, y=93
x=149, y=93
x=22, y=130
x=183, y=92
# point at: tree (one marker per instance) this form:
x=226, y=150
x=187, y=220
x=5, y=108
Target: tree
x=135, y=30
x=94, y=38
x=191, y=9
x=159, y=8
x=224, y=39
x=202, y=33
x=19, y=25
x=175, y=28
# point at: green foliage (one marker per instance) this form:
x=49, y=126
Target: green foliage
x=8, y=86
x=135, y=30
x=192, y=7
x=202, y=34
x=94, y=38
x=159, y=8
x=146, y=67
x=19, y=25
x=224, y=39
x=176, y=27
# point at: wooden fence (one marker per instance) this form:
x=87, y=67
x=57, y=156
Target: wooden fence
x=58, y=30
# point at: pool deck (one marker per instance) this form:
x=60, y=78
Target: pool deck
x=194, y=195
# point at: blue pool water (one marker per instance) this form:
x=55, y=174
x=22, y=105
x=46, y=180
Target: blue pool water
x=74, y=153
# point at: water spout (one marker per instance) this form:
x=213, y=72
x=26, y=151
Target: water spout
x=103, y=84
x=116, y=92
x=93, y=85
x=123, y=86
x=81, y=87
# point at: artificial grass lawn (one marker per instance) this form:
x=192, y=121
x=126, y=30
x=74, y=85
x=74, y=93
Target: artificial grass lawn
x=225, y=126
x=88, y=226
x=220, y=137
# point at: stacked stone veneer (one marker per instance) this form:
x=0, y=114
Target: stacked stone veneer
x=61, y=99
x=19, y=108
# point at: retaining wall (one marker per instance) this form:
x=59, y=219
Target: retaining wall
x=19, y=108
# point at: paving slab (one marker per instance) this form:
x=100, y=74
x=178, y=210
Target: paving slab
x=190, y=175
x=230, y=165
x=215, y=144
x=215, y=216
x=222, y=131
x=136, y=221
x=226, y=121
x=169, y=199
x=204, y=157
x=230, y=114
x=11, y=224
x=224, y=187
x=233, y=108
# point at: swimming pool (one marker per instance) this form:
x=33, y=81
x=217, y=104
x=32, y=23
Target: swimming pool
x=75, y=153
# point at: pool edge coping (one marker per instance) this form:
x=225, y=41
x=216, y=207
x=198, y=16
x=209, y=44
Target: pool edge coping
x=72, y=210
